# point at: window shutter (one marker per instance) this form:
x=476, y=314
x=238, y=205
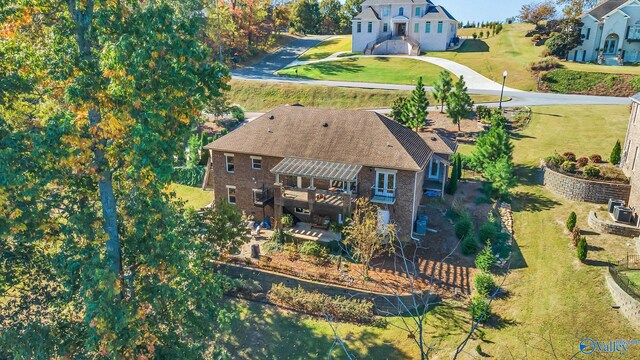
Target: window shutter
x=626, y=36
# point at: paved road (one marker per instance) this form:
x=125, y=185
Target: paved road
x=279, y=59
x=477, y=83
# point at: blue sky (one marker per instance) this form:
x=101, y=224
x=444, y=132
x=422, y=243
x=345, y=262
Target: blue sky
x=482, y=10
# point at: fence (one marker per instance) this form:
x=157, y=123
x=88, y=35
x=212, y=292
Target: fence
x=618, y=274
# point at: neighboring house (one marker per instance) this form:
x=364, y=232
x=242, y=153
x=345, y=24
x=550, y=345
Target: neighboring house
x=313, y=163
x=610, y=34
x=629, y=162
x=402, y=27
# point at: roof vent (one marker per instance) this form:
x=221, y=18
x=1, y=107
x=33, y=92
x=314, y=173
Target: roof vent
x=269, y=130
x=325, y=125
x=433, y=138
x=271, y=117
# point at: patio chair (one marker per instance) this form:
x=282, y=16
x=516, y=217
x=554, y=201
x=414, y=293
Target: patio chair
x=320, y=222
x=256, y=232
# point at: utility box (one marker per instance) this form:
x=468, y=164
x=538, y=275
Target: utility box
x=421, y=225
x=622, y=214
x=613, y=203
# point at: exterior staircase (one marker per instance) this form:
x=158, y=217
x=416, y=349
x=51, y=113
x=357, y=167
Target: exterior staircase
x=397, y=45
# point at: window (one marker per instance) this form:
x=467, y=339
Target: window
x=257, y=195
x=435, y=170
x=303, y=211
x=634, y=33
x=633, y=164
x=401, y=11
x=231, y=194
x=439, y=27
x=256, y=162
x=427, y=27
x=385, y=27
x=385, y=182
x=385, y=11
x=417, y=11
x=358, y=27
x=369, y=27
x=584, y=55
x=588, y=33
x=230, y=167
x=416, y=27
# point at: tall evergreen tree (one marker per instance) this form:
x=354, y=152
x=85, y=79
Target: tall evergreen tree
x=307, y=16
x=442, y=88
x=616, y=154
x=491, y=146
x=459, y=103
x=418, y=105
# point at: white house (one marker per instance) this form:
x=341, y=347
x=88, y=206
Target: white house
x=402, y=27
x=611, y=33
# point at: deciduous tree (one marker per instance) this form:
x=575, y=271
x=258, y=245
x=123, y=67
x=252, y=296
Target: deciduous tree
x=536, y=12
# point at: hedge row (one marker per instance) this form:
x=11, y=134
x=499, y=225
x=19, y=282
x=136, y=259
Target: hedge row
x=190, y=176
x=339, y=308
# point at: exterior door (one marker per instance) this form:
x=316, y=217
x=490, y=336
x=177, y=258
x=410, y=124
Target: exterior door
x=385, y=184
x=610, y=45
x=402, y=29
x=434, y=170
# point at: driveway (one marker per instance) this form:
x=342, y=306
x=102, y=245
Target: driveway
x=279, y=58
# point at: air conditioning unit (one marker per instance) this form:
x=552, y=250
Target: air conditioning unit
x=421, y=225
x=613, y=203
x=622, y=214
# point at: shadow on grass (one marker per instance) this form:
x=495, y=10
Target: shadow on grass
x=545, y=114
x=266, y=332
x=598, y=263
x=381, y=59
x=529, y=175
x=593, y=247
x=325, y=68
x=473, y=46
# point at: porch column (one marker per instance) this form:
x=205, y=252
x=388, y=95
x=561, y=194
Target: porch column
x=277, y=205
x=311, y=194
x=311, y=182
x=445, y=177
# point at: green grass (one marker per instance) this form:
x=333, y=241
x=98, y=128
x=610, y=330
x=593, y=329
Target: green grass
x=596, y=83
x=633, y=276
x=509, y=50
x=550, y=294
x=328, y=47
x=261, y=96
x=193, y=196
x=388, y=70
x=631, y=69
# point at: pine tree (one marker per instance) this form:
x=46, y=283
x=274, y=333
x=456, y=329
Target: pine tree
x=583, y=249
x=452, y=187
x=571, y=221
x=616, y=154
x=459, y=103
x=417, y=107
x=442, y=88
x=399, y=110
x=491, y=146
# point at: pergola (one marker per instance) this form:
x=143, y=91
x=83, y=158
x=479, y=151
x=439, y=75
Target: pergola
x=318, y=169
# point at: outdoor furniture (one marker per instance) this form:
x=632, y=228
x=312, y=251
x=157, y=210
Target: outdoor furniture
x=256, y=231
x=321, y=222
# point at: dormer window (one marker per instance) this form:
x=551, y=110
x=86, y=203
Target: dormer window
x=401, y=11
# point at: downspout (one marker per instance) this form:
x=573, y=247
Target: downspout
x=413, y=212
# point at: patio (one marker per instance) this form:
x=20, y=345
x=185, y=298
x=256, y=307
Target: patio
x=304, y=231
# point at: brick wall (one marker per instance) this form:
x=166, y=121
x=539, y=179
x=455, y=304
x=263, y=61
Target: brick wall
x=268, y=278
x=629, y=306
x=609, y=227
x=576, y=189
x=631, y=143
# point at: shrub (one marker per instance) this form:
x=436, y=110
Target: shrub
x=536, y=37
x=581, y=162
x=313, y=249
x=280, y=236
x=463, y=226
x=575, y=236
x=474, y=35
x=545, y=64
x=582, y=249
x=190, y=176
x=286, y=220
x=485, y=259
x=571, y=221
x=480, y=309
x=554, y=161
x=271, y=247
x=483, y=112
x=292, y=251
x=339, y=308
x=246, y=286
x=489, y=231
x=469, y=245
x=237, y=113
x=591, y=171
x=569, y=156
x=616, y=154
x=484, y=284
x=568, y=166
x=596, y=158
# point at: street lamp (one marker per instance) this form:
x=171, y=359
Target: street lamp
x=504, y=79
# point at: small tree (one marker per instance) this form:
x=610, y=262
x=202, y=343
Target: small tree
x=534, y=13
x=484, y=284
x=218, y=105
x=500, y=174
x=452, y=187
x=616, y=154
x=568, y=39
x=480, y=309
x=481, y=34
x=491, y=146
x=571, y=221
x=417, y=107
x=469, y=245
x=224, y=227
x=442, y=88
x=485, y=259
x=368, y=237
x=459, y=103
x=195, y=143
x=583, y=248
x=399, y=110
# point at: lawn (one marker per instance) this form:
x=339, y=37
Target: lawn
x=509, y=50
x=328, y=47
x=633, y=276
x=193, y=196
x=592, y=83
x=262, y=96
x=550, y=294
x=387, y=70
x=631, y=69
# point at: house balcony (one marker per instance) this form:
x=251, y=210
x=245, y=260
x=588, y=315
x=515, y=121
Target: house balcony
x=264, y=198
x=292, y=196
x=383, y=196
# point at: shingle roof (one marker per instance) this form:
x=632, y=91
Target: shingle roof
x=367, y=14
x=343, y=136
x=395, y=2
x=439, y=142
x=438, y=12
x=604, y=7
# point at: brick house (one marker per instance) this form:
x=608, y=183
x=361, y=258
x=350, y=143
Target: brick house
x=630, y=151
x=313, y=163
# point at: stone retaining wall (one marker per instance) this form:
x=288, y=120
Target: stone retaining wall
x=385, y=304
x=609, y=227
x=629, y=306
x=577, y=189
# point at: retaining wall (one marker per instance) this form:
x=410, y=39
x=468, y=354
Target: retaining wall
x=577, y=189
x=385, y=304
x=629, y=306
x=609, y=227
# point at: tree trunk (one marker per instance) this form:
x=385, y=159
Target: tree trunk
x=442, y=107
x=459, y=126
